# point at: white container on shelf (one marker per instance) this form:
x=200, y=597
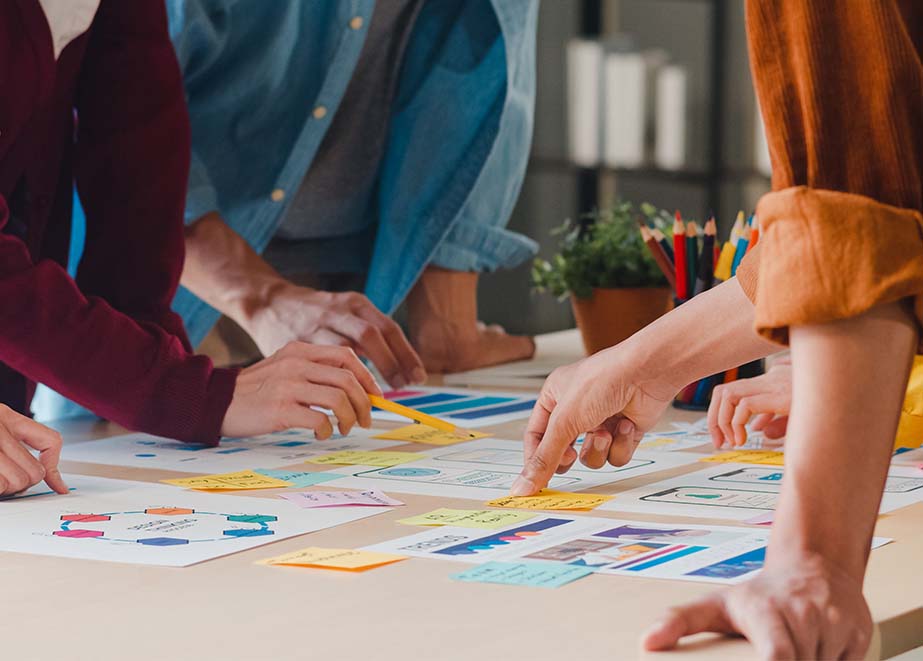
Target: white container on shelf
x=584, y=65
x=671, y=123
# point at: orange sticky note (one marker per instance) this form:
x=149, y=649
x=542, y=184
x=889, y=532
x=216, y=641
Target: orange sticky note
x=342, y=559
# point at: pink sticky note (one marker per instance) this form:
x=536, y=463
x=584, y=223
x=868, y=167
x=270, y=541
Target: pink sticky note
x=761, y=519
x=400, y=394
x=311, y=499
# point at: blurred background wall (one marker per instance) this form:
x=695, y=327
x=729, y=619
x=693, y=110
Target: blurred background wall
x=705, y=38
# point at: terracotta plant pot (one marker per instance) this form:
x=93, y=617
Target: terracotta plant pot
x=612, y=315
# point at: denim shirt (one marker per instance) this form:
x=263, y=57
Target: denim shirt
x=264, y=79
x=456, y=155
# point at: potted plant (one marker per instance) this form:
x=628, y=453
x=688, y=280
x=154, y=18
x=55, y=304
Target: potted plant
x=604, y=267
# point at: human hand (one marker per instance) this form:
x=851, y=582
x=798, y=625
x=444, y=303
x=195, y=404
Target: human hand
x=806, y=608
x=767, y=398
x=277, y=393
x=345, y=319
x=19, y=468
x=442, y=316
x=604, y=396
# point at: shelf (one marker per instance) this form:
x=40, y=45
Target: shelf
x=685, y=176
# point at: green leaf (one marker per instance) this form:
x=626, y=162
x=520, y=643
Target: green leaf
x=604, y=250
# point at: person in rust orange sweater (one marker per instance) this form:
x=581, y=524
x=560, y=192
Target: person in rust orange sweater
x=838, y=276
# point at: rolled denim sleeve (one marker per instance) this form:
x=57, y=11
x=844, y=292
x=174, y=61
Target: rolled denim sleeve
x=482, y=247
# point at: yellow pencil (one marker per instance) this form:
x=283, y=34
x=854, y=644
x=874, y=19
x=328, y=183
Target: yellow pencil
x=413, y=414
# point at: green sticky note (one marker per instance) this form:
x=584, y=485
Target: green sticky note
x=298, y=478
x=537, y=574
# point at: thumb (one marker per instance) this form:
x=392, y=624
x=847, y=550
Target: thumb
x=707, y=614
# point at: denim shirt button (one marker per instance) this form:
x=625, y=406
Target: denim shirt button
x=277, y=195
x=356, y=23
x=320, y=112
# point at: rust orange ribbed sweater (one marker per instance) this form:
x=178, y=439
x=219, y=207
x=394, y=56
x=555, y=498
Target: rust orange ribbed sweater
x=840, y=85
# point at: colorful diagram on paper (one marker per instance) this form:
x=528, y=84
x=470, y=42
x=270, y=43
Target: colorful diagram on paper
x=466, y=408
x=483, y=479
x=274, y=450
x=164, y=526
x=486, y=468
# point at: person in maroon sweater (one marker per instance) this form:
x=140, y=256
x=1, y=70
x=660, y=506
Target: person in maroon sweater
x=105, y=109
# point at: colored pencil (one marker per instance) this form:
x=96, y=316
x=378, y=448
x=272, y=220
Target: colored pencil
x=679, y=257
x=692, y=255
x=723, y=267
x=416, y=416
x=742, y=242
x=754, y=233
x=659, y=256
x=664, y=243
x=686, y=394
x=706, y=275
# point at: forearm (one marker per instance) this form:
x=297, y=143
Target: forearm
x=848, y=385
x=708, y=334
x=225, y=272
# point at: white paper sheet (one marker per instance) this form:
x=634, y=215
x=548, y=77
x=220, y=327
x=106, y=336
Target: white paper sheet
x=233, y=454
x=714, y=554
x=460, y=406
x=151, y=524
x=740, y=492
x=686, y=435
x=486, y=468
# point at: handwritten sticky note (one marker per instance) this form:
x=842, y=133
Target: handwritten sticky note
x=344, y=559
x=229, y=481
x=298, y=478
x=484, y=519
x=423, y=434
x=311, y=499
x=549, y=499
x=381, y=458
x=537, y=574
x=763, y=457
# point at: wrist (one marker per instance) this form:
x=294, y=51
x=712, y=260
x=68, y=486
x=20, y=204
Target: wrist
x=249, y=307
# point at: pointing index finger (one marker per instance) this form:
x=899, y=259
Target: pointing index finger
x=546, y=457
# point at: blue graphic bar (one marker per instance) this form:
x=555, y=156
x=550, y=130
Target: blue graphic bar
x=479, y=402
x=435, y=398
x=689, y=550
x=497, y=410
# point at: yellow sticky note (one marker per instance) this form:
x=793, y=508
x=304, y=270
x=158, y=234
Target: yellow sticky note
x=381, y=458
x=486, y=519
x=344, y=559
x=424, y=434
x=764, y=457
x=657, y=442
x=230, y=481
x=549, y=499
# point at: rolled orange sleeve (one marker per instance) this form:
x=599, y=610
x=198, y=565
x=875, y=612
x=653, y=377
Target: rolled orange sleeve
x=840, y=86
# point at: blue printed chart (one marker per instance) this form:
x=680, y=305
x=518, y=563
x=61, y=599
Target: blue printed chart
x=486, y=468
x=713, y=554
x=462, y=407
x=140, y=523
x=232, y=454
x=743, y=491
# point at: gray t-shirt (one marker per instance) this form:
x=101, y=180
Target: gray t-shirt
x=329, y=226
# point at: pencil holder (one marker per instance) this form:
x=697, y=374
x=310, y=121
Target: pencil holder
x=697, y=395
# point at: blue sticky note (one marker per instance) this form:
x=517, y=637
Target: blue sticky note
x=537, y=574
x=297, y=478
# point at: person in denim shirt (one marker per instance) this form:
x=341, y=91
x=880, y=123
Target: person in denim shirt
x=347, y=137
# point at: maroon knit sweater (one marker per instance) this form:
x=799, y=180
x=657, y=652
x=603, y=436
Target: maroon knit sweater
x=110, y=116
